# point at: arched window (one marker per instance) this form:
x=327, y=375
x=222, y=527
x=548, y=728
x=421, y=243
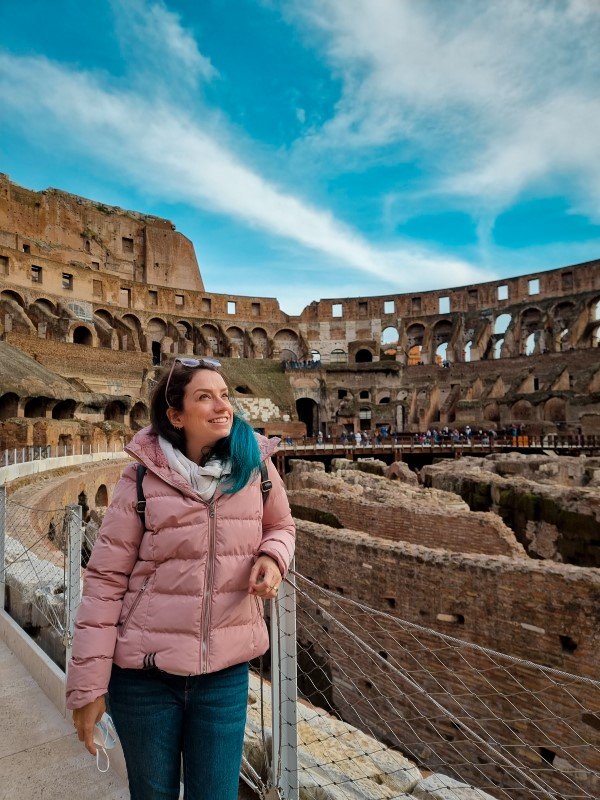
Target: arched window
x=363, y=356
x=81, y=335
x=338, y=357
x=101, y=498
x=502, y=322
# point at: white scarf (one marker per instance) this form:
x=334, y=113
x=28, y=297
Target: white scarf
x=203, y=480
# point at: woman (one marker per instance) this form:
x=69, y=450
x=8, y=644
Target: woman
x=171, y=615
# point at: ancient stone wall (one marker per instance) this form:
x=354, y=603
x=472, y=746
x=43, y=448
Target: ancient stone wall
x=550, y=519
x=537, y=611
x=396, y=511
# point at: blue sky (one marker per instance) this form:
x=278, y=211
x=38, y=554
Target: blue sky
x=319, y=148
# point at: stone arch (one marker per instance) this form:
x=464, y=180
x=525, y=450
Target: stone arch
x=390, y=339
x=64, y=409
x=10, y=294
x=338, y=356
x=491, y=412
x=286, y=339
x=260, y=342
x=467, y=351
x=555, y=410
x=105, y=316
x=101, y=498
x=236, y=341
x=129, y=331
x=531, y=330
x=364, y=394
x=105, y=329
x=441, y=334
x=501, y=323
x=156, y=335
x=184, y=328
x=498, y=345
x=315, y=356
x=9, y=405
x=35, y=407
x=363, y=356
x=115, y=411
x=14, y=315
x=523, y=410
x=441, y=353
x=81, y=334
x=308, y=413
x=212, y=337
x=415, y=334
x=384, y=398
x=138, y=416
x=46, y=305
x=156, y=329
x=594, y=307
x=563, y=311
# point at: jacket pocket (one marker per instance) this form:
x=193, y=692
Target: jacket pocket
x=134, y=605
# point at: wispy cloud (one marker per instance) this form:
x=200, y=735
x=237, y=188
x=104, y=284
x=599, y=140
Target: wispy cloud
x=154, y=39
x=159, y=147
x=495, y=97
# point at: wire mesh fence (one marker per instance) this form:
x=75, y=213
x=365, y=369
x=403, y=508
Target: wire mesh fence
x=35, y=547
x=385, y=706
x=386, y=695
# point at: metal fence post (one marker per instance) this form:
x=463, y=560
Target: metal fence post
x=72, y=574
x=2, y=541
x=284, y=688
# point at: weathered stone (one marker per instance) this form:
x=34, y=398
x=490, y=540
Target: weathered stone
x=397, y=510
x=548, y=502
x=440, y=787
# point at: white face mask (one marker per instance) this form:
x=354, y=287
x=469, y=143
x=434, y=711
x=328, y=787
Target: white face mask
x=105, y=738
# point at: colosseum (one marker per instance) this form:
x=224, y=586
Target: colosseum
x=93, y=298
x=499, y=550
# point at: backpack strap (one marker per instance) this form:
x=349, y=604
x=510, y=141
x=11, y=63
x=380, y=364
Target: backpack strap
x=265, y=484
x=140, y=506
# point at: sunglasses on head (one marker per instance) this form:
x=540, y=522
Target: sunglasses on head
x=189, y=362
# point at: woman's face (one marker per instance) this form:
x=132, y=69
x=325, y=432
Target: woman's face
x=207, y=415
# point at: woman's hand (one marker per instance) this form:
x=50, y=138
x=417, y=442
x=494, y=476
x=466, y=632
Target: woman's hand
x=85, y=718
x=265, y=578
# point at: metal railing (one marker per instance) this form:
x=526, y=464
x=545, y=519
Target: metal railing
x=414, y=444
x=353, y=702
x=22, y=455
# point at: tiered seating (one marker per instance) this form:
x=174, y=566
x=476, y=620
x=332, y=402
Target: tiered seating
x=259, y=409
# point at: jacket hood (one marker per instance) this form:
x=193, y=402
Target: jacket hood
x=144, y=447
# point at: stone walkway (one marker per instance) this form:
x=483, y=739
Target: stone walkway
x=41, y=757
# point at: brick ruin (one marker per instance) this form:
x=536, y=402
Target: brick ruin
x=419, y=556
x=94, y=297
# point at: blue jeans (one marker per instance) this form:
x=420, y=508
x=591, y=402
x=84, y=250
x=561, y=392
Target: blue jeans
x=159, y=717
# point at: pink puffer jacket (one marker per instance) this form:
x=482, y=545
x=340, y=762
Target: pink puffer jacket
x=176, y=595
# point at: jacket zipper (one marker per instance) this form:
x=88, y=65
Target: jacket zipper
x=210, y=568
x=138, y=597
x=208, y=586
